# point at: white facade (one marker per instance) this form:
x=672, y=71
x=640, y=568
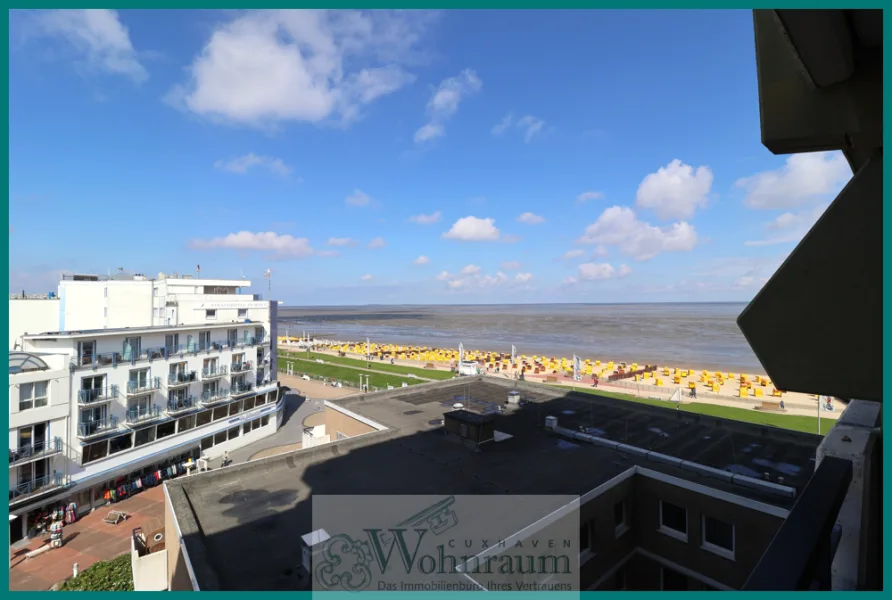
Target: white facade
x=141, y=370
x=34, y=314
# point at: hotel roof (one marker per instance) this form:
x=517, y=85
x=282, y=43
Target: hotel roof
x=241, y=525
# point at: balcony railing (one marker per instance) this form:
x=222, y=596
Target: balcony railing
x=240, y=367
x=214, y=372
x=141, y=414
x=180, y=378
x=96, y=395
x=801, y=552
x=113, y=359
x=98, y=427
x=34, y=486
x=141, y=387
x=36, y=450
x=241, y=388
x=215, y=397
x=178, y=405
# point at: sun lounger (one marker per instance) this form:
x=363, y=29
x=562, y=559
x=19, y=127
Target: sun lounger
x=114, y=517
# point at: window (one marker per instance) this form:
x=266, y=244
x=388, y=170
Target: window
x=186, y=423
x=154, y=291
x=105, y=312
x=674, y=521
x=242, y=313
x=204, y=340
x=232, y=337
x=95, y=451
x=235, y=408
x=219, y=438
x=139, y=380
x=247, y=426
x=207, y=443
x=166, y=429
x=259, y=400
x=105, y=292
x=619, y=579
x=264, y=420
x=249, y=403
x=203, y=418
x=132, y=347
x=233, y=433
x=120, y=443
x=463, y=430
x=172, y=341
x=210, y=314
x=718, y=537
x=585, y=538
x=620, y=518
x=144, y=436
x=33, y=395
x=221, y=412
x=673, y=581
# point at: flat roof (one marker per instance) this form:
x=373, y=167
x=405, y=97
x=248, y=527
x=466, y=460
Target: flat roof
x=242, y=524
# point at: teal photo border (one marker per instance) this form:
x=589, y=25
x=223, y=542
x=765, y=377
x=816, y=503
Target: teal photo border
x=477, y=4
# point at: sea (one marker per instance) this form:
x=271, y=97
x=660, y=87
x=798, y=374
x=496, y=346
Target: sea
x=686, y=335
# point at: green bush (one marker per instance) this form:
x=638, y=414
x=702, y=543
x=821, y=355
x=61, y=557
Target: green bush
x=115, y=575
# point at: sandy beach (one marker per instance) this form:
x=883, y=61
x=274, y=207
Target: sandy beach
x=738, y=390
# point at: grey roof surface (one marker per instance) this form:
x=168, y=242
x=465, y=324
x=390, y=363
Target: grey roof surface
x=242, y=524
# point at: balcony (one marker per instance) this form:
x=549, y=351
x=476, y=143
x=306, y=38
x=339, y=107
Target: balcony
x=209, y=373
x=136, y=388
x=97, y=395
x=96, y=428
x=242, y=388
x=143, y=414
x=181, y=405
x=215, y=397
x=106, y=359
x=25, y=490
x=243, y=367
x=181, y=379
x=35, y=451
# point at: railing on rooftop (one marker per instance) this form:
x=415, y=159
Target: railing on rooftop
x=35, y=450
x=139, y=387
x=97, y=427
x=34, y=486
x=802, y=551
x=140, y=414
x=96, y=395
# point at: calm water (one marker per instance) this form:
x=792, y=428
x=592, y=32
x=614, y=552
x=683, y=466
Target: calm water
x=687, y=335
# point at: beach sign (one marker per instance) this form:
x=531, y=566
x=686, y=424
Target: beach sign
x=513, y=354
x=461, y=352
x=577, y=368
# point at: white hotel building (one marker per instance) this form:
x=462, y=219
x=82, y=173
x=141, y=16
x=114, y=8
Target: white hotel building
x=112, y=378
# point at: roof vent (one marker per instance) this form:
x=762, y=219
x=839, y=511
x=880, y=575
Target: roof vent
x=139, y=277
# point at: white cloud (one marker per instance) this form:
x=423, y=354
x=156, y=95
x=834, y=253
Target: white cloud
x=804, y=180
x=530, y=218
x=470, y=270
x=503, y=125
x=496, y=279
x=596, y=271
x=333, y=241
x=675, y=191
x=445, y=101
x=358, y=198
x=267, y=67
x=421, y=260
x=243, y=164
x=281, y=246
x=376, y=243
x=366, y=277
x=510, y=265
x=624, y=271
x=99, y=36
x=471, y=278
x=570, y=280
x=570, y=254
x=789, y=227
x=600, y=251
x=618, y=226
x=443, y=276
x=523, y=277
x=473, y=229
x=586, y=196
x=425, y=219
x=531, y=127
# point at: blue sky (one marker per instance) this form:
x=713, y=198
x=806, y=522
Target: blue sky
x=452, y=157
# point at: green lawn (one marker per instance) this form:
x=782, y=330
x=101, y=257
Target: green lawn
x=346, y=374
x=747, y=415
x=115, y=575
x=383, y=366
